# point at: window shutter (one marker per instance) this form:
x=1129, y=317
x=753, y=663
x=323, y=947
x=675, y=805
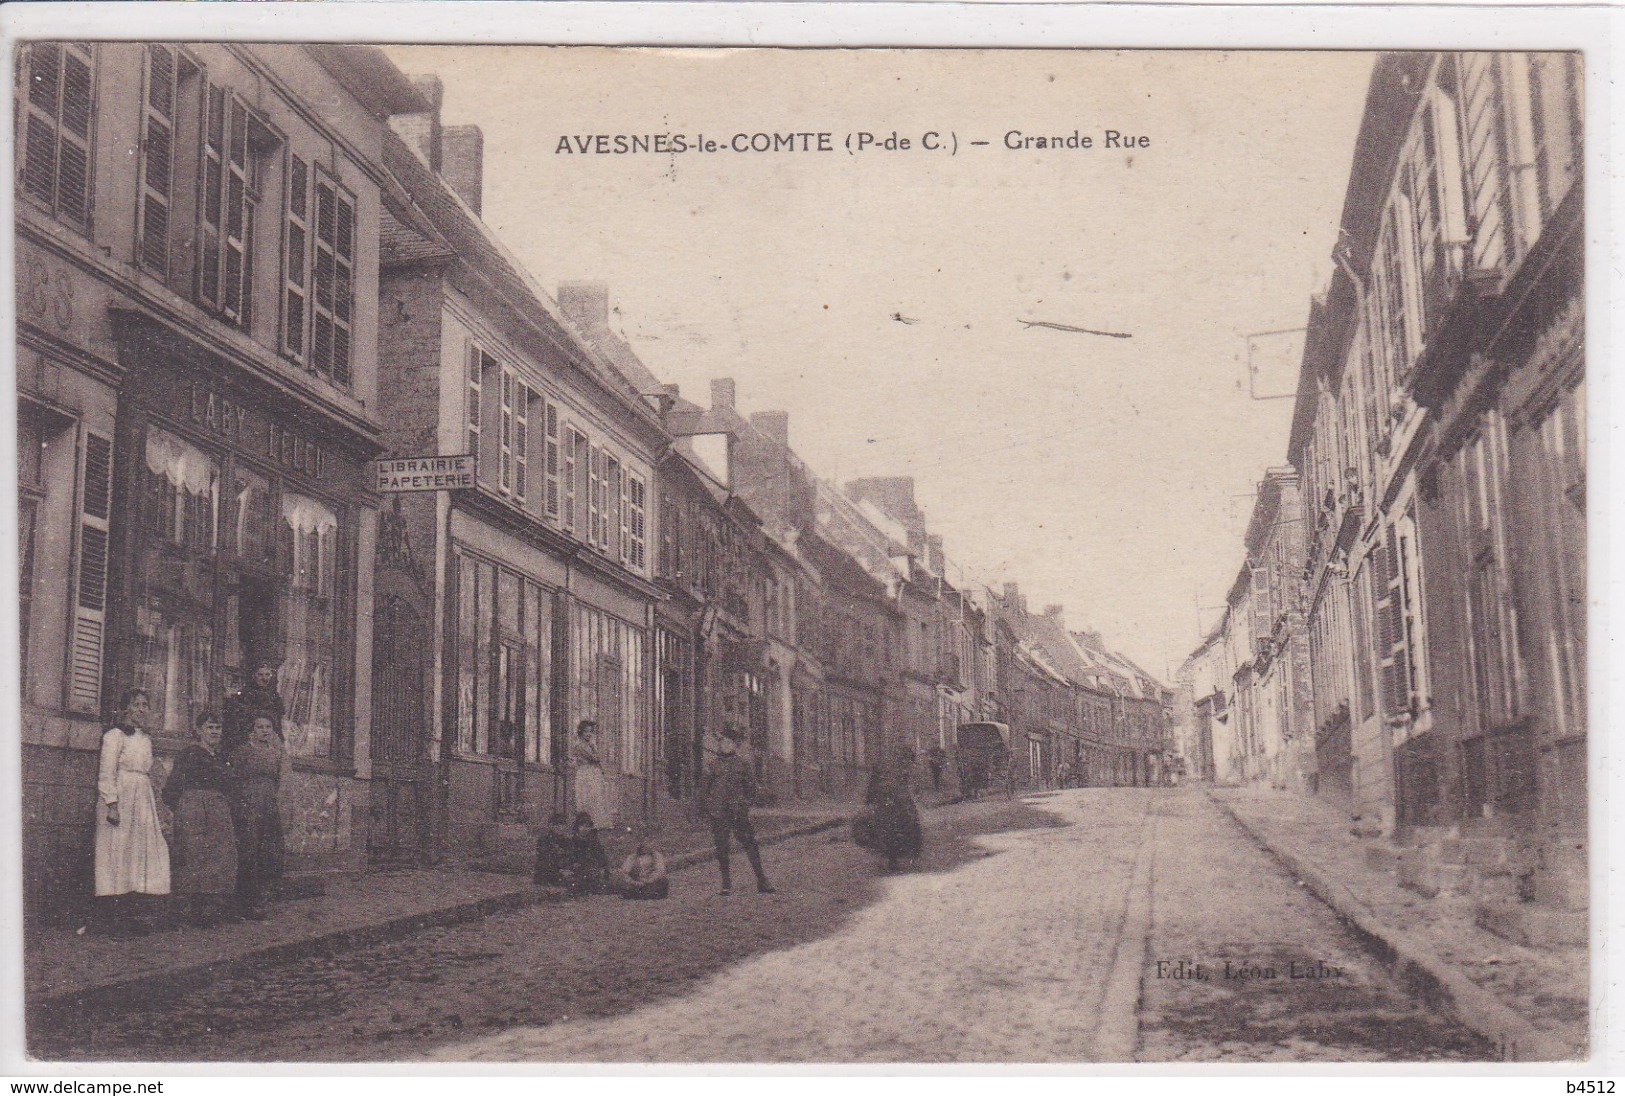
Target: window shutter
x=321, y=350
x=73, y=159
x=44, y=102
x=521, y=440
x=90, y=602
x=296, y=261
x=213, y=204
x=157, y=160
x=505, y=432
x=624, y=506
x=550, y=459
x=472, y=413
x=343, y=286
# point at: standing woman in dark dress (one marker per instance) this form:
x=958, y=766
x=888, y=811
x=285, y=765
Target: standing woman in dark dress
x=256, y=774
x=205, y=854
x=896, y=816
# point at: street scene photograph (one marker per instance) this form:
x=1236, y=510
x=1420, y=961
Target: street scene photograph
x=575, y=554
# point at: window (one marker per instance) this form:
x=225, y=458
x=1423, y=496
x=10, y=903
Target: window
x=613, y=539
x=183, y=490
x=575, y=461
x=504, y=662
x=54, y=120
x=597, y=523
x=235, y=140
x=513, y=434
x=1492, y=625
x=1556, y=116
x=309, y=532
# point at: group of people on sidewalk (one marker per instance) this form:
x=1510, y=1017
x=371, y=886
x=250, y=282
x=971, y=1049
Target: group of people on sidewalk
x=225, y=848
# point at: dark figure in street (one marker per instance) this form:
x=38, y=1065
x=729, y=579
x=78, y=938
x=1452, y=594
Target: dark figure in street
x=255, y=768
x=643, y=874
x=726, y=793
x=204, y=858
x=258, y=697
x=555, y=846
x=587, y=870
x=895, y=816
x=938, y=762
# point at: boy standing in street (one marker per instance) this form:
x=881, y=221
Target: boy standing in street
x=726, y=793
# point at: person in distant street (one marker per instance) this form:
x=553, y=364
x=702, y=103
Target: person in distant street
x=643, y=874
x=1063, y=775
x=726, y=793
x=896, y=816
x=938, y=762
x=258, y=697
x=587, y=869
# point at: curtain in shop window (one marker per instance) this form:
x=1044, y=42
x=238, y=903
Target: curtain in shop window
x=310, y=532
x=186, y=489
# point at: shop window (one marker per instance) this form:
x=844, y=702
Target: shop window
x=309, y=531
x=174, y=659
x=55, y=112
x=504, y=661
x=183, y=491
x=251, y=535
x=1492, y=626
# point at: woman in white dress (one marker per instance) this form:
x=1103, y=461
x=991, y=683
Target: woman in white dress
x=131, y=856
x=592, y=786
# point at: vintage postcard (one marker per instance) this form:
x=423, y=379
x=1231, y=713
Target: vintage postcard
x=630, y=554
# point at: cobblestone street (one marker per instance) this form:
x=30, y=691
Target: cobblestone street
x=1006, y=946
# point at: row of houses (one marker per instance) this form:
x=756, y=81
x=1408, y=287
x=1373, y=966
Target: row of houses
x=246, y=272
x=1406, y=633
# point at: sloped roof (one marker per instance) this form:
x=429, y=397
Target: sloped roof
x=399, y=244
x=472, y=240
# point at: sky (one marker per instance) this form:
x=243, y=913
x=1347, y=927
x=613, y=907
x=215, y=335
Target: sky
x=879, y=296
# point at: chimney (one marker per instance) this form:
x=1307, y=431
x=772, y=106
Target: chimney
x=462, y=162
x=1012, y=598
x=773, y=424
x=422, y=131
x=1057, y=614
x=585, y=304
x=938, y=559
x=722, y=394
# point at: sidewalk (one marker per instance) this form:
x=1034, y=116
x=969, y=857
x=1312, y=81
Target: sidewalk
x=1531, y=1003
x=62, y=968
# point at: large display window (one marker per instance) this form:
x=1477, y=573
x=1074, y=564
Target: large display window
x=236, y=564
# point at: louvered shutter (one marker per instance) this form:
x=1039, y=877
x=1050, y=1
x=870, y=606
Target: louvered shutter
x=521, y=440
x=157, y=160
x=550, y=459
x=73, y=157
x=44, y=103
x=296, y=261
x=213, y=204
x=90, y=600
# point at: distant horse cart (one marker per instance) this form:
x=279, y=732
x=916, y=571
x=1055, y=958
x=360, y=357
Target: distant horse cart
x=982, y=752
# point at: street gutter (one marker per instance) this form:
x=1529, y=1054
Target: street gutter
x=1416, y=968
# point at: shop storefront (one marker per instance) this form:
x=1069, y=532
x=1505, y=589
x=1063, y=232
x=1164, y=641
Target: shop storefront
x=241, y=518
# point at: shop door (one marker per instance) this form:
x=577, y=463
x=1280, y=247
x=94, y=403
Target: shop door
x=400, y=795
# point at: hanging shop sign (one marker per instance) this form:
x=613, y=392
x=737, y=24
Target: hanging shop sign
x=399, y=474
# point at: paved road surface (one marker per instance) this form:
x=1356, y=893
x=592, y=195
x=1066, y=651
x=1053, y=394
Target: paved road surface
x=1037, y=941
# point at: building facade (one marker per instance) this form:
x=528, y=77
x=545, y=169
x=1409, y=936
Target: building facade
x=197, y=277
